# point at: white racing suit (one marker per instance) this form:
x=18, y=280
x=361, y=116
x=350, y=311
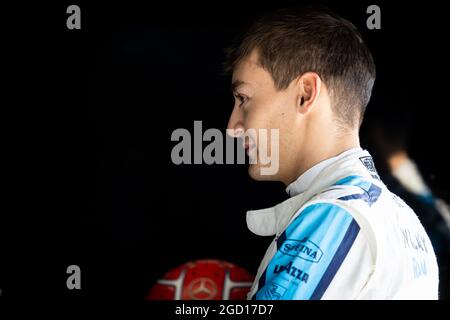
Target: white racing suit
x=344, y=236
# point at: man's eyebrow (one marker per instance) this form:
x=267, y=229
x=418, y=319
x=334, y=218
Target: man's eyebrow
x=236, y=84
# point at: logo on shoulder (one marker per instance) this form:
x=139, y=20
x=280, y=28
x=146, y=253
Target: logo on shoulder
x=275, y=291
x=370, y=166
x=304, y=249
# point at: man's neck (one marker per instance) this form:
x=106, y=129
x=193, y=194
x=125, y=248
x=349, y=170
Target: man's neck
x=319, y=153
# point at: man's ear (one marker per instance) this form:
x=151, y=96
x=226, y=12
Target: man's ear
x=308, y=87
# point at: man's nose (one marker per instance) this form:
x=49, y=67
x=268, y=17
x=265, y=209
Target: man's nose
x=235, y=128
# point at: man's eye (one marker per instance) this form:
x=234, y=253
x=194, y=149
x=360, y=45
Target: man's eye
x=241, y=98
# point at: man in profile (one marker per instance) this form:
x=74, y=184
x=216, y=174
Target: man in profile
x=342, y=234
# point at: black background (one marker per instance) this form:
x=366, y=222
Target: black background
x=92, y=112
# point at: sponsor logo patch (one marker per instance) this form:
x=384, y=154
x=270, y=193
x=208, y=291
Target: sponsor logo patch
x=292, y=271
x=275, y=291
x=370, y=166
x=304, y=249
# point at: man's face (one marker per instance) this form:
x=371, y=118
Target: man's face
x=259, y=105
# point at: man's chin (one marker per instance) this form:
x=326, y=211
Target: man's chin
x=254, y=171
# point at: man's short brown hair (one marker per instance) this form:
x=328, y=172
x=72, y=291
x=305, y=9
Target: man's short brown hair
x=292, y=42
